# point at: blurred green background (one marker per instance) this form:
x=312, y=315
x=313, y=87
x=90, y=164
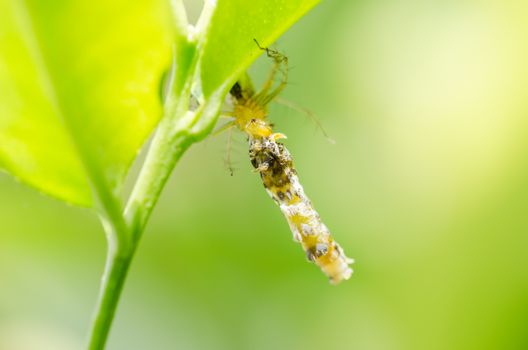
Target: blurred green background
x=426, y=187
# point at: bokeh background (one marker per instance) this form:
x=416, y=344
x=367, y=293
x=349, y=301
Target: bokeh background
x=426, y=187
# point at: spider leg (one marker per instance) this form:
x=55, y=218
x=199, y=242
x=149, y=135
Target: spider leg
x=225, y=127
x=227, y=159
x=306, y=112
x=280, y=65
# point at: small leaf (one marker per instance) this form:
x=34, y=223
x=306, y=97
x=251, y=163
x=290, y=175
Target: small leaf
x=79, y=84
x=230, y=49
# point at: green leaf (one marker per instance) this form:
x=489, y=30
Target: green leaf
x=79, y=84
x=230, y=49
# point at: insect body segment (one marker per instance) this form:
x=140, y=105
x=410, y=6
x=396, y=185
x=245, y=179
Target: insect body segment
x=280, y=179
x=275, y=165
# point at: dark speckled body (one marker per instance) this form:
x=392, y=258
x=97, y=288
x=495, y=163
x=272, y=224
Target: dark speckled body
x=274, y=163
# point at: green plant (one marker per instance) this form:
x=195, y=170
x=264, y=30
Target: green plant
x=79, y=86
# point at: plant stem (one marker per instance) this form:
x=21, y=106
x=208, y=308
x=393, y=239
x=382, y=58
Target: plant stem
x=178, y=129
x=166, y=149
x=172, y=138
x=117, y=263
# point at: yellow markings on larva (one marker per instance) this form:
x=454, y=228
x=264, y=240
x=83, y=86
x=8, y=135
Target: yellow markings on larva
x=333, y=266
x=277, y=136
x=309, y=243
x=294, y=200
x=298, y=220
x=282, y=193
x=322, y=249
